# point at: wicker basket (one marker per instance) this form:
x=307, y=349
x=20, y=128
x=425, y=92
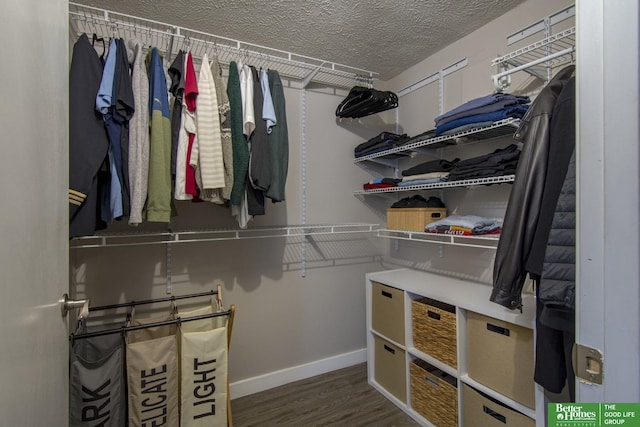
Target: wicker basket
x=434, y=394
x=413, y=219
x=434, y=329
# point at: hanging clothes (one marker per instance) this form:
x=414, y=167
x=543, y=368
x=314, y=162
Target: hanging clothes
x=522, y=212
x=88, y=142
x=123, y=106
x=239, y=203
x=259, y=154
x=553, y=254
x=176, y=74
x=268, y=112
x=138, y=133
x=278, y=140
x=206, y=156
x=260, y=157
x=246, y=88
x=158, y=207
x=191, y=92
x=179, y=125
x=104, y=103
x=224, y=114
x=239, y=143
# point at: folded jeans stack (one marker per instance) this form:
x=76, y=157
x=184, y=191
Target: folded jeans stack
x=481, y=112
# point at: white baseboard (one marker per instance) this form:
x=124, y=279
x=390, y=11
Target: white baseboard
x=274, y=379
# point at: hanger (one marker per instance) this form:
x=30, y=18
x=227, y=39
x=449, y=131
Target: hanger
x=114, y=30
x=95, y=39
x=362, y=101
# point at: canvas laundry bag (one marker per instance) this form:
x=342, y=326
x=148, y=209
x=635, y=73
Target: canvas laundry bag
x=203, y=325
x=152, y=379
x=96, y=380
x=151, y=332
x=203, y=400
x=97, y=391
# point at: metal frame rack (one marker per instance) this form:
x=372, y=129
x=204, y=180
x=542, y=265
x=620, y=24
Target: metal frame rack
x=379, y=163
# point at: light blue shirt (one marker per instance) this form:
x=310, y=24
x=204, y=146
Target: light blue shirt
x=268, y=112
x=103, y=99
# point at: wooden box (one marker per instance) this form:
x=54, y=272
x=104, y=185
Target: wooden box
x=413, y=219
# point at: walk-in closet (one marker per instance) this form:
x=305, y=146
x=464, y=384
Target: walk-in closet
x=289, y=214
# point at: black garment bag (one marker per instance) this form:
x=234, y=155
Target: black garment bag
x=362, y=101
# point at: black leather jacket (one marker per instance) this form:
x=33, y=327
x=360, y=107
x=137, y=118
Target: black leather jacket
x=520, y=221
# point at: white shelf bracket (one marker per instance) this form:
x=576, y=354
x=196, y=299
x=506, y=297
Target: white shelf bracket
x=303, y=177
x=169, y=287
x=309, y=77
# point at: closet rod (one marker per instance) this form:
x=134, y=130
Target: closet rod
x=125, y=329
x=87, y=19
x=151, y=301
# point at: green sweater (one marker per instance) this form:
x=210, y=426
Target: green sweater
x=158, y=207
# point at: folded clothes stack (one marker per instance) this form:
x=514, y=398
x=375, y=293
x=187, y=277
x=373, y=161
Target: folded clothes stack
x=424, y=136
x=381, y=142
x=502, y=161
x=481, y=112
x=465, y=225
x=381, y=183
x=418, y=201
x=428, y=172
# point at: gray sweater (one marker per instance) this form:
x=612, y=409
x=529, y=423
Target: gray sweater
x=138, y=133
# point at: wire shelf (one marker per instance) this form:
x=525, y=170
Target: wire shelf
x=539, y=58
x=498, y=129
x=118, y=239
x=169, y=39
x=444, y=184
x=486, y=241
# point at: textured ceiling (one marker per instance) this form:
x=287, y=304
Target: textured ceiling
x=385, y=36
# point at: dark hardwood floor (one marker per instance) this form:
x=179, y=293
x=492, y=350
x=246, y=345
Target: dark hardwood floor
x=341, y=398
